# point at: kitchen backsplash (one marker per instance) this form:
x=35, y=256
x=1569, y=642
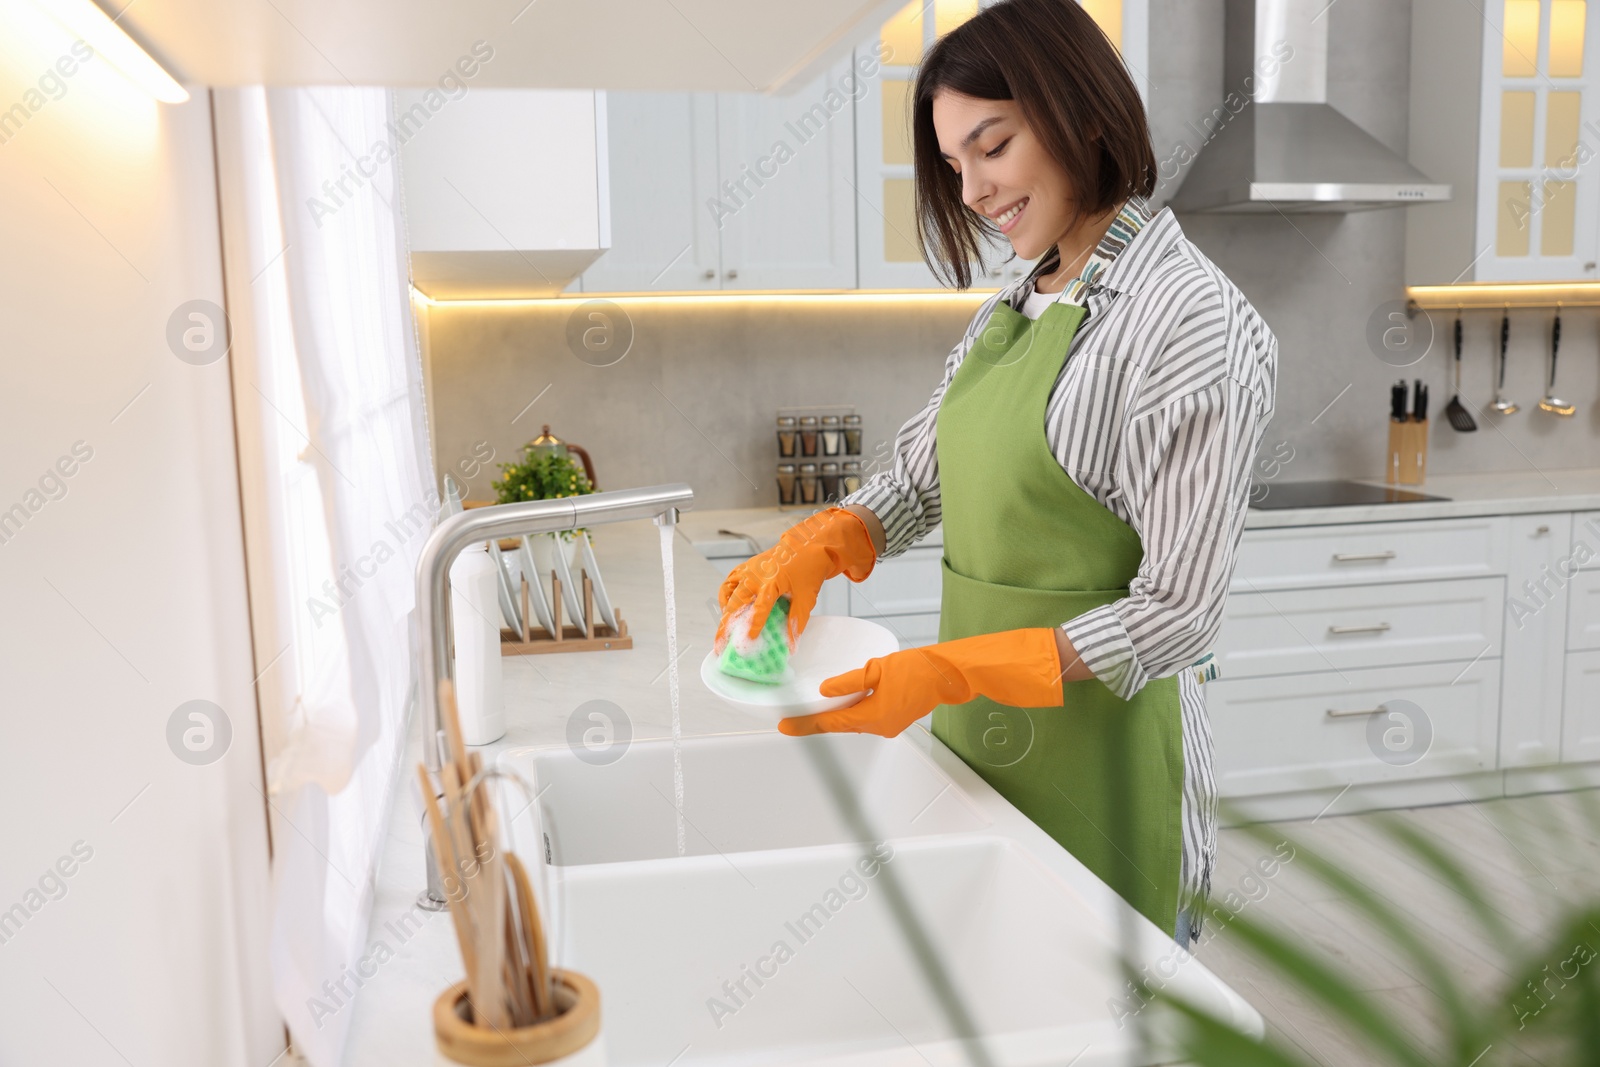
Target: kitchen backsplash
x=695, y=395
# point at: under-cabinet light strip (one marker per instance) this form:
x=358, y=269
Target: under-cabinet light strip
x=1507, y=294
x=839, y=296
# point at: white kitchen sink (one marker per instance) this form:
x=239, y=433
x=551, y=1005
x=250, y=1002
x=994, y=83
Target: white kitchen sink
x=944, y=928
x=1027, y=978
x=742, y=792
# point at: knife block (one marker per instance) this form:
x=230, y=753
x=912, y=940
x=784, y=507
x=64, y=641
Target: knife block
x=1408, y=452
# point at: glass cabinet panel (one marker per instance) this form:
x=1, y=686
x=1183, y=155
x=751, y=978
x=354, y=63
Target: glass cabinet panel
x=1558, y=213
x=1560, y=130
x=1566, y=38
x=948, y=14
x=902, y=36
x=897, y=122
x=1516, y=128
x=1108, y=15
x=900, y=221
x=1511, y=234
x=1521, y=50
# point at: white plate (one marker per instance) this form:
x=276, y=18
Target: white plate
x=830, y=645
x=536, y=595
x=571, y=591
x=602, y=602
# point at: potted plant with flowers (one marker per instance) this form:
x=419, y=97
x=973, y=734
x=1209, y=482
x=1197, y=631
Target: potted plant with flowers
x=544, y=474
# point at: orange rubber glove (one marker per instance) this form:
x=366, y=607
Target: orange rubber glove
x=831, y=542
x=1021, y=668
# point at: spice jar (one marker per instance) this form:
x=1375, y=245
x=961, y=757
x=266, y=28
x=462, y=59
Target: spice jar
x=808, y=483
x=830, y=481
x=852, y=435
x=808, y=435
x=832, y=437
x=788, y=436
x=786, y=483
x=850, y=480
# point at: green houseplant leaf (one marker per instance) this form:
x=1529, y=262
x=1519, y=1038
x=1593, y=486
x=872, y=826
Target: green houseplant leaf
x=1547, y=1011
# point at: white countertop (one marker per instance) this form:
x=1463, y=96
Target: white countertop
x=1496, y=493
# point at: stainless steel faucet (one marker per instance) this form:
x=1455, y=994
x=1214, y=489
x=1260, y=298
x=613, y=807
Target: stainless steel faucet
x=659, y=502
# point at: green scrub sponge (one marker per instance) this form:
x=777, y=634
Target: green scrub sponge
x=764, y=659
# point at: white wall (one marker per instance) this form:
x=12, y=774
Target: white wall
x=122, y=598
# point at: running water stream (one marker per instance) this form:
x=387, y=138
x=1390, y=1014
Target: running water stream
x=668, y=531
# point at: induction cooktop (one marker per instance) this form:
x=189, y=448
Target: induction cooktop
x=1330, y=494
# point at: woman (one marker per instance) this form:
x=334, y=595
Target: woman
x=1087, y=453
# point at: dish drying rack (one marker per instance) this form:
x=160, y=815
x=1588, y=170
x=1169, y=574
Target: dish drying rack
x=533, y=615
x=563, y=637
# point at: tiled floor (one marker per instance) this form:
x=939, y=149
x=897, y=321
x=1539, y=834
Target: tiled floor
x=1530, y=854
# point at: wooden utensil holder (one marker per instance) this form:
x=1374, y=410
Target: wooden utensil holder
x=570, y=1039
x=533, y=641
x=1408, y=452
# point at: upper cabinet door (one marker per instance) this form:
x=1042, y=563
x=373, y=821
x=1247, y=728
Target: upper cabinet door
x=783, y=203
x=663, y=169
x=1538, y=196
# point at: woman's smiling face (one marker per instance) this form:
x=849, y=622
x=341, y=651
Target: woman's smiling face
x=1006, y=173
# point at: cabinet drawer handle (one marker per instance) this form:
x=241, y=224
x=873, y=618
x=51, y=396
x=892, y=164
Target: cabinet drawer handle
x=1370, y=628
x=1335, y=713
x=1352, y=557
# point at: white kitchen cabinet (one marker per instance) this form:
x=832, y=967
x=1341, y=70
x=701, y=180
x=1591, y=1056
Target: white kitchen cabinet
x=1580, y=724
x=1299, y=732
x=1535, y=631
x=663, y=156
x=1580, y=710
x=504, y=189
x=1302, y=557
x=809, y=190
x=1583, y=612
x=784, y=207
x=1349, y=627
x=731, y=191
x=1527, y=200
x=1493, y=633
x=908, y=584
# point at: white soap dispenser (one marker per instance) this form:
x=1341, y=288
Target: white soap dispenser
x=475, y=619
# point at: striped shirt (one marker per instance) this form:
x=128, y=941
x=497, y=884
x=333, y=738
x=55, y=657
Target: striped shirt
x=1158, y=412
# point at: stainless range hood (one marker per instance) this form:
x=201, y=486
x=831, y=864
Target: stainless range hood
x=1288, y=149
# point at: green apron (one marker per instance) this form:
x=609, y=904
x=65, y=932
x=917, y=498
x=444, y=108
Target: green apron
x=1025, y=546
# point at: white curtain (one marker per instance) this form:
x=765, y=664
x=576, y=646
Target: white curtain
x=338, y=497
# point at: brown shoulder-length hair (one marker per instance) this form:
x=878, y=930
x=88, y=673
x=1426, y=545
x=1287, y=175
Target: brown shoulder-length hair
x=1067, y=78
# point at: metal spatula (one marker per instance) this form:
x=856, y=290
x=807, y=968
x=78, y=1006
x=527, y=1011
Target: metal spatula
x=1460, y=418
x=1550, y=402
